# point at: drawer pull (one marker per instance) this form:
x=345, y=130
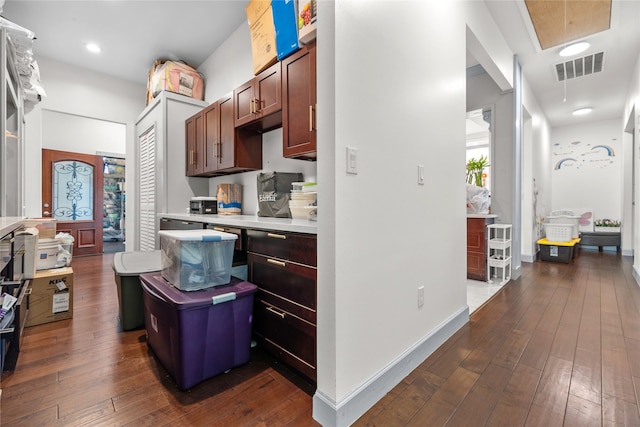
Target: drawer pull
x=276, y=312
x=220, y=229
x=28, y=291
x=277, y=236
x=276, y=262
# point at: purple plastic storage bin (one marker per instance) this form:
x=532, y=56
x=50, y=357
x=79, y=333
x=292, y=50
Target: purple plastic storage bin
x=200, y=334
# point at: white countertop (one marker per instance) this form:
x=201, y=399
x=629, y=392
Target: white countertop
x=250, y=221
x=482, y=216
x=9, y=223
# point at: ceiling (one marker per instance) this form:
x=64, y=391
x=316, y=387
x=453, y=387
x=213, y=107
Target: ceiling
x=605, y=92
x=133, y=34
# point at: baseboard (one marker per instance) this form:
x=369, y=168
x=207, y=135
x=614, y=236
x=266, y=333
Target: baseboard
x=627, y=252
x=636, y=275
x=328, y=412
x=529, y=258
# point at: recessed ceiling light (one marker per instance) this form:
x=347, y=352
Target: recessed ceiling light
x=574, y=49
x=582, y=111
x=92, y=47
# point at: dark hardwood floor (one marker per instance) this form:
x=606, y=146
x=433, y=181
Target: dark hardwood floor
x=559, y=346
x=84, y=371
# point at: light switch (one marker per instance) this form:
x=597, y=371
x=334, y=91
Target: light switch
x=421, y=174
x=352, y=160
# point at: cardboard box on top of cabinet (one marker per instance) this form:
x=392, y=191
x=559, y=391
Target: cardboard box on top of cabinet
x=263, y=34
x=285, y=22
x=229, y=199
x=51, y=296
x=174, y=77
x=307, y=10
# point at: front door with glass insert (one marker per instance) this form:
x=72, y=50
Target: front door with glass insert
x=72, y=194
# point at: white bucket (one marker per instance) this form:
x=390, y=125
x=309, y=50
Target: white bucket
x=47, y=256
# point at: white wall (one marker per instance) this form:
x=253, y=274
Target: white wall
x=584, y=175
x=229, y=67
x=78, y=134
x=536, y=179
x=400, y=99
x=84, y=93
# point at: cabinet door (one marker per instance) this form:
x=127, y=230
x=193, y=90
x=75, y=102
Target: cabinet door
x=198, y=158
x=243, y=100
x=226, y=153
x=268, y=98
x=211, y=119
x=298, y=108
x=194, y=128
x=258, y=102
x=190, y=136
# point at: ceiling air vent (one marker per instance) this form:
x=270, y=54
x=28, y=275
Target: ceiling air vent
x=579, y=67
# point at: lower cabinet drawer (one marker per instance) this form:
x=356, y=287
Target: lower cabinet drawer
x=291, y=338
x=285, y=284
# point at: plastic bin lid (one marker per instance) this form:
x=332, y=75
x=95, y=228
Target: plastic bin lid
x=155, y=284
x=198, y=235
x=136, y=263
x=206, y=198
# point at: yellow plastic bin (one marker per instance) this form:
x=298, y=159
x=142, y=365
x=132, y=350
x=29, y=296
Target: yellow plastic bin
x=558, y=251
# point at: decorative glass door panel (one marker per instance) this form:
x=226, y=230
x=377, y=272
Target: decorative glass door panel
x=73, y=192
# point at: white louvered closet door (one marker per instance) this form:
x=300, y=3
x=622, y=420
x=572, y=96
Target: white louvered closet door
x=147, y=197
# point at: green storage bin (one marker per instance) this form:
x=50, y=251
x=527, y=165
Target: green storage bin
x=128, y=266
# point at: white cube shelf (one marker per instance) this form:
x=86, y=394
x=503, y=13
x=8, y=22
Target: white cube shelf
x=499, y=257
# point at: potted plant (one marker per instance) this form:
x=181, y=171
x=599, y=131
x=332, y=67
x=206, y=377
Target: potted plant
x=607, y=225
x=475, y=168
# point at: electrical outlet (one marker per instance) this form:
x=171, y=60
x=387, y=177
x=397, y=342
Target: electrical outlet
x=420, y=296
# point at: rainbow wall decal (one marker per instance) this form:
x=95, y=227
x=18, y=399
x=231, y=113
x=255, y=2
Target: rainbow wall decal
x=561, y=162
x=608, y=149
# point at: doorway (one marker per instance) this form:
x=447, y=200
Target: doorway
x=114, y=193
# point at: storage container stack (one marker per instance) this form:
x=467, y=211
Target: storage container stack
x=303, y=202
x=561, y=226
x=197, y=316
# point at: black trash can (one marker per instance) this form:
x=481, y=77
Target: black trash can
x=128, y=266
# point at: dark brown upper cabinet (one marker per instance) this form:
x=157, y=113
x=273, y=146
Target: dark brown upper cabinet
x=258, y=103
x=299, y=104
x=195, y=145
x=214, y=145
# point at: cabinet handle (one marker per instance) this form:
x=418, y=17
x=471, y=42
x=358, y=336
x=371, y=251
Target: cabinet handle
x=220, y=229
x=258, y=105
x=277, y=236
x=252, y=106
x=276, y=262
x=311, y=115
x=276, y=312
x=28, y=291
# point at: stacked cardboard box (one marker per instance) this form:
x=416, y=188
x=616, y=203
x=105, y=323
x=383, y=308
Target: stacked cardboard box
x=51, y=296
